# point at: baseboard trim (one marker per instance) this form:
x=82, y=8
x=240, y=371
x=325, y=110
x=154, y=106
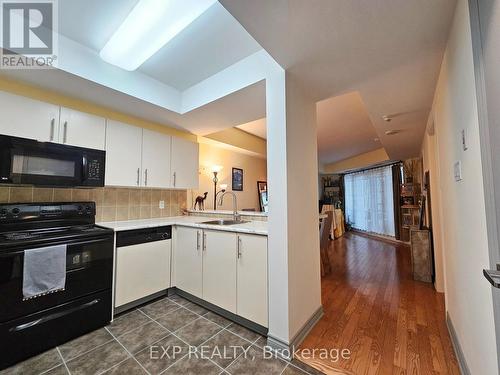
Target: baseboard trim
x=464, y=369
x=131, y=305
x=218, y=310
x=286, y=350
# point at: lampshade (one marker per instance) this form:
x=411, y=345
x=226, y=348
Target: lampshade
x=216, y=168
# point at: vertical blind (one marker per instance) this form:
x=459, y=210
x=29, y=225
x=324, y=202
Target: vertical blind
x=369, y=200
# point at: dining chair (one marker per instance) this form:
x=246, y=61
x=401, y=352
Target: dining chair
x=324, y=242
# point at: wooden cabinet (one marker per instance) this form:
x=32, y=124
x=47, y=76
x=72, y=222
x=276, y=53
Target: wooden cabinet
x=188, y=262
x=185, y=164
x=82, y=129
x=156, y=154
x=219, y=269
x=142, y=270
x=252, y=278
x=28, y=118
x=123, y=154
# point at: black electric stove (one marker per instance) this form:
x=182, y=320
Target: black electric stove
x=28, y=327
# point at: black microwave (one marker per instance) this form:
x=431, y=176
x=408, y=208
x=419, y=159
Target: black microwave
x=29, y=162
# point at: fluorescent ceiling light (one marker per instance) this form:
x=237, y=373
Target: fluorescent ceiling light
x=148, y=27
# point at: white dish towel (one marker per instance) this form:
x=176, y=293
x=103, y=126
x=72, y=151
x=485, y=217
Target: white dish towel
x=44, y=271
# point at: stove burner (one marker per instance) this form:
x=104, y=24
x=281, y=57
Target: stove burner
x=16, y=236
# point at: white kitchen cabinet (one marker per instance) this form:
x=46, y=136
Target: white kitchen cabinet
x=219, y=269
x=28, y=118
x=156, y=149
x=185, y=164
x=142, y=270
x=82, y=129
x=123, y=154
x=188, y=263
x=252, y=278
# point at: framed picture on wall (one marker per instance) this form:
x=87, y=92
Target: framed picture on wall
x=237, y=179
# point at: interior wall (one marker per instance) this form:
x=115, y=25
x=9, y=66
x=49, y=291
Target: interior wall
x=430, y=163
x=359, y=161
x=293, y=240
x=241, y=139
x=304, y=280
x=254, y=169
x=463, y=217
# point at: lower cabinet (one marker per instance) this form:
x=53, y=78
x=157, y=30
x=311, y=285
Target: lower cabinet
x=219, y=269
x=188, y=265
x=226, y=269
x=141, y=270
x=252, y=278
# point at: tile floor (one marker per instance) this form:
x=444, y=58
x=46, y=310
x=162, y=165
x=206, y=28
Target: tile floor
x=143, y=341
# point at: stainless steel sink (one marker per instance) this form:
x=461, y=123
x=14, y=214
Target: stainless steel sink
x=224, y=222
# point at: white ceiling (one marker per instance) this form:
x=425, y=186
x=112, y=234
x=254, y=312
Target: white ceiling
x=344, y=128
x=257, y=128
x=213, y=42
x=390, y=51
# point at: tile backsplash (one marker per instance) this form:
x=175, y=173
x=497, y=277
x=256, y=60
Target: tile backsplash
x=113, y=204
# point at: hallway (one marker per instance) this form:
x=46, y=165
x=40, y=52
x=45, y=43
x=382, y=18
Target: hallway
x=390, y=323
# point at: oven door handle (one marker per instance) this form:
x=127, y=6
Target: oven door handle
x=68, y=243
x=50, y=317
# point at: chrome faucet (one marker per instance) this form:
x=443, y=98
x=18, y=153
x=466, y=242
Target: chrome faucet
x=236, y=215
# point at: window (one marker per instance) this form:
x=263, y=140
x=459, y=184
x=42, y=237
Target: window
x=369, y=200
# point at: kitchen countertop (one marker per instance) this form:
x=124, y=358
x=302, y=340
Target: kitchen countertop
x=251, y=227
x=228, y=212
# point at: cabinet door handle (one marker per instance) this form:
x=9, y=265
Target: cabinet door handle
x=175, y=178
x=146, y=177
x=52, y=128
x=198, y=240
x=65, y=131
x=204, y=241
x=239, y=247
x=138, y=176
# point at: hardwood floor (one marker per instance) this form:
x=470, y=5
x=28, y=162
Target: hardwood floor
x=390, y=323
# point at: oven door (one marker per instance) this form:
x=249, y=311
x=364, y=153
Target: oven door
x=89, y=269
x=25, y=161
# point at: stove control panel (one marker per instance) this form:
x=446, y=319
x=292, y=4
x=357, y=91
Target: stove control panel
x=28, y=212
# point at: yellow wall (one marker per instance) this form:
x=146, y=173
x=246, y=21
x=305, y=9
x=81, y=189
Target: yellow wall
x=359, y=161
x=239, y=138
x=30, y=91
x=254, y=169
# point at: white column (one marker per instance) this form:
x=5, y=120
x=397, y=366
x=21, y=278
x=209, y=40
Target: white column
x=294, y=270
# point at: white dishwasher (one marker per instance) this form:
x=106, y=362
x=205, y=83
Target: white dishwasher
x=143, y=258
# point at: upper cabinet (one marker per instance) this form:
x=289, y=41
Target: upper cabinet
x=185, y=164
x=134, y=156
x=156, y=149
x=82, y=129
x=123, y=154
x=28, y=118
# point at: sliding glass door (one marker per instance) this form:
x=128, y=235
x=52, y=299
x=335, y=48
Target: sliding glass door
x=369, y=200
